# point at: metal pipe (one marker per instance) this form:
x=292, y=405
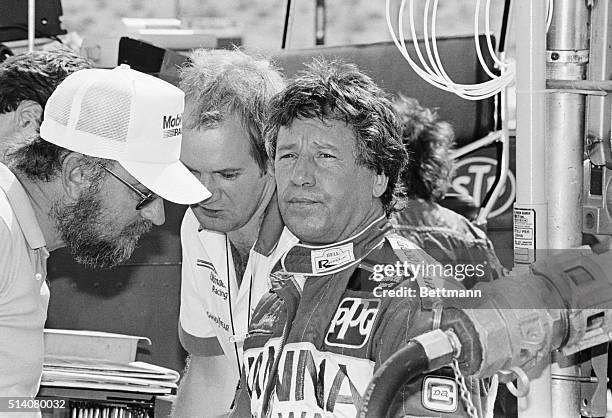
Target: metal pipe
x=601, y=86
x=565, y=141
x=503, y=31
x=31, y=24
x=567, y=56
x=286, y=25
x=569, y=30
x=599, y=109
x=530, y=209
x=566, y=59
x=565, y=391
x=320, y=20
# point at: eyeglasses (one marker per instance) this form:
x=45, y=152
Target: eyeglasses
x=145, y=199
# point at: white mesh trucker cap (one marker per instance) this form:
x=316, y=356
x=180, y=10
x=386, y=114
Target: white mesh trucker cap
x=126, y=116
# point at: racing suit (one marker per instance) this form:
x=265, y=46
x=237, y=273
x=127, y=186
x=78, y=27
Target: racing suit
x=316, y=339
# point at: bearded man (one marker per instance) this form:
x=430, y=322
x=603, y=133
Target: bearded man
x=109, y=146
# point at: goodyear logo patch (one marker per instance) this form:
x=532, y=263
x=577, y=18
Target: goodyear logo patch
x=328, y=259
x=171, y=125
x=439, y=394
x=352, y=323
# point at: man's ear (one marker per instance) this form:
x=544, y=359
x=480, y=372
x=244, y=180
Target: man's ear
x=29, y=115
x=380, y=184
x=75, y=176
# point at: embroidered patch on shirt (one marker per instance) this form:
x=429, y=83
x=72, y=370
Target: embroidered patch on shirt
x=352, y=323
x=439, y=394
x=206, y=264
x=328, y=259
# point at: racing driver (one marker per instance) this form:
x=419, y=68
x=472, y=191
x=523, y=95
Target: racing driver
x=316, y=339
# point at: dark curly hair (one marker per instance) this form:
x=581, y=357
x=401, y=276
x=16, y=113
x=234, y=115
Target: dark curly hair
x=333, y=90
x=429, y=143
x=34, y=76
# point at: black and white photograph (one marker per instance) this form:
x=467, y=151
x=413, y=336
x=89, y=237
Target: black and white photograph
x=305, y=208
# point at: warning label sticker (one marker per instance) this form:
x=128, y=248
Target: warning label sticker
x=524, y=235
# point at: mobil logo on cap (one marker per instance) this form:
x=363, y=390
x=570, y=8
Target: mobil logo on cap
x=171, y=125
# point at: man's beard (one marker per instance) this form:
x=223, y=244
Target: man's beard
x=90, y=235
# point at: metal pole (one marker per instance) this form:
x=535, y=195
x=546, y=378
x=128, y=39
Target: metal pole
x=538, y=402
x=599, y=109
x=567, y=56
x=31, y=24
x=320, y=20
x=530, y=209
x=286, y=25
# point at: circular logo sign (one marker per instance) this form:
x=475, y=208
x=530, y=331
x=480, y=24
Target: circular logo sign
x=474, y=176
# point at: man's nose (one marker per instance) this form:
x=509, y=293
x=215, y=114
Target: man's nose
x=154, y=212
x=303, y=172
x=209, y=181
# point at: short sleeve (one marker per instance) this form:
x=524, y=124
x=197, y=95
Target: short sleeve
x=7, y=268
x=195, y=328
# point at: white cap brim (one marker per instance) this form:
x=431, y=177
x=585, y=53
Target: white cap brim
x=171, y=181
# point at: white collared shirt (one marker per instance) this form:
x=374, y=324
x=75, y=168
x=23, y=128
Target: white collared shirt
x=24, y=294
x=214, y=312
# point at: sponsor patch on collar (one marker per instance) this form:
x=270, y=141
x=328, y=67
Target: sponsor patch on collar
x=352, y=323
x=331, y=258
x=439, y=394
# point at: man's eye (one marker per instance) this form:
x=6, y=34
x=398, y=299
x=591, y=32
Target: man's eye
x=229, y=176
x=288, y=155
x=326, y=155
